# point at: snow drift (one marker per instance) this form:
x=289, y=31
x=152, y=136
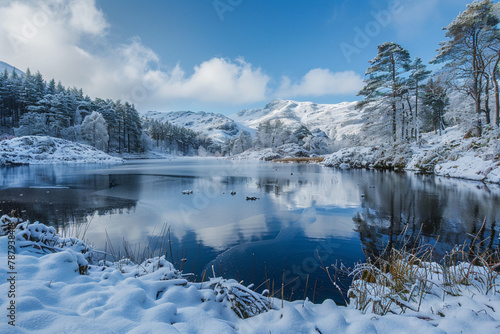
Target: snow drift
x=44, y=149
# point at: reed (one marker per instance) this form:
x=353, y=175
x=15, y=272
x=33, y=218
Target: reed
x=398, y=279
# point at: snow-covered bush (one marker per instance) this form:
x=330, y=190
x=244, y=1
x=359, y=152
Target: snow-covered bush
x=95, y=130
x=41, y=238
x=243, y=301
x=32, y=124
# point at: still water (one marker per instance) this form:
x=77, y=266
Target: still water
x=305, y=217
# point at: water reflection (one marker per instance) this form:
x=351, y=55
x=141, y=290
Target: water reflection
x=306, y=216
x=428, y=206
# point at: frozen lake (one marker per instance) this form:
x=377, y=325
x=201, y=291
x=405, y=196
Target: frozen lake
x=303, y=212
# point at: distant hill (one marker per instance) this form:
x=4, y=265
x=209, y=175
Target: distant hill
x=334, y=120
x=4, y=66
x=216, y=126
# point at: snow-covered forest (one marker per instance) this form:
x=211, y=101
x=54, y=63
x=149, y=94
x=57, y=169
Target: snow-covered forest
x=402, y=101
x=31, y=106
x=403, y=97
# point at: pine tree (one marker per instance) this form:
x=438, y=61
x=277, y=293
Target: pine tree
x=384, y=83
x=471, y=35
x=435, y=100
x=415, y=83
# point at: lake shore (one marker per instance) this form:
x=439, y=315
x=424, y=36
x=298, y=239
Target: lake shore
x=58, y=289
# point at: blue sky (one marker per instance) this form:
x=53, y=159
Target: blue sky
x=215, y=55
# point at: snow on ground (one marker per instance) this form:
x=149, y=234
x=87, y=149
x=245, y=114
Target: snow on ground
x=59, y=290
x=452, y=155
x=268, y=154
x=44, y=149
x=449, y=154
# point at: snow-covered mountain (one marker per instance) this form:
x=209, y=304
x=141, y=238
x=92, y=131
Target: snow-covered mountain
x=216, y=126
x=335, y=120
x=4, y=66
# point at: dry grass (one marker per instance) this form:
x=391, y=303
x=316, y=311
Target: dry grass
x=301, y=160
x=398, y=279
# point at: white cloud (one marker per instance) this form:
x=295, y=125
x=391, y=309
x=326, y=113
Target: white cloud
x=318, y=82
x=86, y=17
x=218, y=80
x=67, y=40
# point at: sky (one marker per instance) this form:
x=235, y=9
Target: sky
x=216, y=55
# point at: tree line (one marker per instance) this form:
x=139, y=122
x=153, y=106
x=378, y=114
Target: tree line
x=175, y=139
x=274, y=133
x=31, y=106
x=403, y=98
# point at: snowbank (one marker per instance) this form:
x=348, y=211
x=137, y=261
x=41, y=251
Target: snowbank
x=46, y=150
x=55, y=295
x=449, y=154
x=269, y=154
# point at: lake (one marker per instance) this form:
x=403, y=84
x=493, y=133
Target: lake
x=304, y=217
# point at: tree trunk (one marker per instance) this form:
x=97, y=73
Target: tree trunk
x=394, y=110
x=487, y=101
x=415, y=115
x=497, y=104
x=497, y=94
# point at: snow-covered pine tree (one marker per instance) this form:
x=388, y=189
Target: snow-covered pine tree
x=384, y=81
x=472, y=36
x=435, y=101
x=415, y=85
x=4, y=95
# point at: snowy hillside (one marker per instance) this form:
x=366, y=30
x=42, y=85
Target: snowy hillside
x=216, y=126
x=43, y=149
x=336, y=120
x=451, y=154
x=4, y=66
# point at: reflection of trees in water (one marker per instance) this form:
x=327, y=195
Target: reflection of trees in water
x=61, y=207
x=426, y=206
x=273, y=185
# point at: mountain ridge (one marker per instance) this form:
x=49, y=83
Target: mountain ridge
x=4, y=66
x=336, y=120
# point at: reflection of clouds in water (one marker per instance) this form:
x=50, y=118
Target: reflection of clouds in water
x=219, y=219
x=310, y=222
x=320, y=189
x=221, y=237
x=133, y=226
x=331, y=223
